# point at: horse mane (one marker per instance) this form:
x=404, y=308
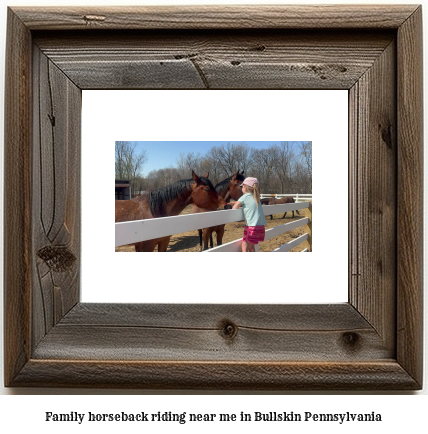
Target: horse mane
x=158, y=198
x=222, y=185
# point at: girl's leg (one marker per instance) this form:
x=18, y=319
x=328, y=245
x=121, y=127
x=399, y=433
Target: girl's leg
x=251, y=247
x=247, y=247
x=244, y=240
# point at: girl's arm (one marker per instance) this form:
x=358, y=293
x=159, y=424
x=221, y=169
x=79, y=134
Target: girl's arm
x=237, y=205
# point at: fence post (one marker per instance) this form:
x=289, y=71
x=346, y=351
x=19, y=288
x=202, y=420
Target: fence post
x=308, y=228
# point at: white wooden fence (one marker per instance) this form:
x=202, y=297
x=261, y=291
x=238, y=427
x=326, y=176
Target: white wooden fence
x=142, y=230
x=297, y=196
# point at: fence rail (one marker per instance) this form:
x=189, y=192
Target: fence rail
x=143, y=230
x=235, y=246
x=298, y=197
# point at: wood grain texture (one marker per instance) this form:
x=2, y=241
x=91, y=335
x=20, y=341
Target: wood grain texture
x=410, y=196
x=385, y=375
x=17, y=199
x=56, y=194
x=211, y=316
x=199, y=332
x=216, y=59
x=373, y=178
x=216, y=17
x=372, y=342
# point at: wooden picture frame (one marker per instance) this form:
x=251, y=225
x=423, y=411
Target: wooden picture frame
x=372, y=342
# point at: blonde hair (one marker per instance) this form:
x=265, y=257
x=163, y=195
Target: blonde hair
x=255, y=191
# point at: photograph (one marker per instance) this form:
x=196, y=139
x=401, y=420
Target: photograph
x=215, y=84
x=282, y=168
x=154, y=180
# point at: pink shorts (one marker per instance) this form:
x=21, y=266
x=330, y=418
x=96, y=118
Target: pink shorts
x=254, y=234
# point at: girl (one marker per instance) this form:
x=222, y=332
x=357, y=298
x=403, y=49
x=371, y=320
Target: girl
x=255, y=221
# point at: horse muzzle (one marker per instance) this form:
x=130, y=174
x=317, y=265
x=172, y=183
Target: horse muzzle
x=221, y=204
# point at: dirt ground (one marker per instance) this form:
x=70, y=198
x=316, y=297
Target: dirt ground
x=189, y=241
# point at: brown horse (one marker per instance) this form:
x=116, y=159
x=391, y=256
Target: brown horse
x=229, y=188
x=280, y=201
x=168, y=201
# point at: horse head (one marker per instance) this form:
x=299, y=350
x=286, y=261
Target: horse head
x=234, y=189
x=204, y=194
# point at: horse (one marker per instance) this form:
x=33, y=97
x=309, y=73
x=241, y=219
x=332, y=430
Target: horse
x=168, y=201
x=280, y=201
x=229, y=188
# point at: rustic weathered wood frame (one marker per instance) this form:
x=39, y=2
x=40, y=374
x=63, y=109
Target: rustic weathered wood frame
x=372, y=342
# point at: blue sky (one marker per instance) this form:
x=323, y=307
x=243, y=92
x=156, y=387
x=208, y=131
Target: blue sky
x=165, y=154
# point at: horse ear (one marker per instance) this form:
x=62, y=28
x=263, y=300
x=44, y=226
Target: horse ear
x=207, y=175
x=242, y=172
x=234, y=176
x=196, y=178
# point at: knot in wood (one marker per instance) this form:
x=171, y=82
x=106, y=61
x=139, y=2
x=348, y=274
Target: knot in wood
x=94, y=18
x=58, y=259
x=227, y=329
x=351, y=340
x=386, y=134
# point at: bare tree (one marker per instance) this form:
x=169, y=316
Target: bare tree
x=140, y=184
x=306, y=158
x=211, y=166
x=284, y=165
x=169, y=175
x=263, y=167
x=243, y=153
x=282, y=168
x=129, y=163
x=225, y=160
x=153, y=180
x=188, y=162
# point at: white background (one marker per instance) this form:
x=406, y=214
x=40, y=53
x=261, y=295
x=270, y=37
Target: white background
x=401, y=413
x=239, y=115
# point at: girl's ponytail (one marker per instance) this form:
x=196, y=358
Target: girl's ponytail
x=256, y=193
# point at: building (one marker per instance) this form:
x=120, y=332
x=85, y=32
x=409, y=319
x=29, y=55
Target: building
x=122, y=190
